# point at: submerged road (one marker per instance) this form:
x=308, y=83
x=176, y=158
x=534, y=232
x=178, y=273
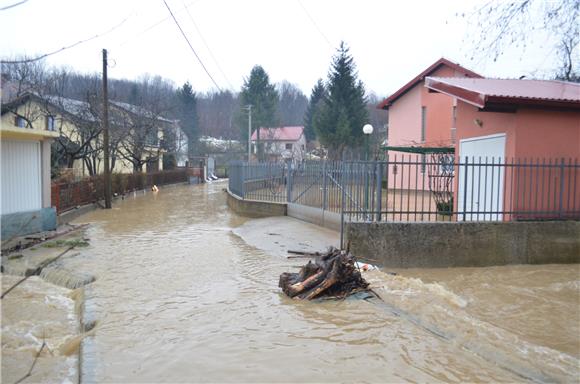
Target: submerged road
x=186, y=291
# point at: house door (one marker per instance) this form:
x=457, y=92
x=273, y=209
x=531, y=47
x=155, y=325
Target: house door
x=21, y=182
x=480, y=187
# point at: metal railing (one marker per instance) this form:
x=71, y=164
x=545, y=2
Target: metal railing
x=420, y=188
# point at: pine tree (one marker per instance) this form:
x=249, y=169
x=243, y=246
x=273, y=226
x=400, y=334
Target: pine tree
x=263, y=97
x=339, y=120
x=187, y=101
x=318, y=94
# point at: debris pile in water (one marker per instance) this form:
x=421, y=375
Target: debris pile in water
x=332, y=274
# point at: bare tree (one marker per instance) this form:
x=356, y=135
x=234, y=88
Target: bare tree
x=292, y=104
x=501, y=26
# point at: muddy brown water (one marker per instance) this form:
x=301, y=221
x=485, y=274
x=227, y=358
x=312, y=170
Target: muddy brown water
x=181, y=298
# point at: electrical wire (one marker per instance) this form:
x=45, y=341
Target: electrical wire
x=13, y=5
x=208, y=49
x=155, y=24
x=63, y=48
x=315, y=24
x=190, y=46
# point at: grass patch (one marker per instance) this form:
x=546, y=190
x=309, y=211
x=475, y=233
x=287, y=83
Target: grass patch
x=66, y=243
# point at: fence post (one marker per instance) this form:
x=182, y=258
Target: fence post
x=465, y=187
x=379, y=178
x=289, y=183
x=242, y=180
x=342, y=205
x=324, y=186
x=561, y=188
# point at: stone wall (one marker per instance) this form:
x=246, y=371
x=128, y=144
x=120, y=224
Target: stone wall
x=465, y=244
x=254, y=208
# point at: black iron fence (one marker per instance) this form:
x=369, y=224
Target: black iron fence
x=435, y=187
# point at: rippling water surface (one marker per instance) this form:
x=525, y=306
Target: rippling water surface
x=180, y=298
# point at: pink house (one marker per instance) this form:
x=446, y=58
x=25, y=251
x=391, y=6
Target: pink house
x=419, y=118
x=523, y=122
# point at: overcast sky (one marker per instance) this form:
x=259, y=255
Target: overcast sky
x=294, y=40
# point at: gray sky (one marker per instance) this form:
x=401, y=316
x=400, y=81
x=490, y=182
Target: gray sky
x=294, y=40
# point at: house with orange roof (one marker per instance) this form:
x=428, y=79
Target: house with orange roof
x=420, y=121
x=531, y=127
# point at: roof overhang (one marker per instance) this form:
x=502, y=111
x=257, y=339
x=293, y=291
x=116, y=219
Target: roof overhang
x=495, y=103
x=471, y=97
x=386, y=103
x=420, y=150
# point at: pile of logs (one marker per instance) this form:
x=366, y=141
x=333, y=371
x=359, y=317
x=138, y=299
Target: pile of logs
x=332, y=274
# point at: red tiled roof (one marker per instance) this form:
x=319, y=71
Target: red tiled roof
x=482, y=92
x=279, y=134
x=386, y=103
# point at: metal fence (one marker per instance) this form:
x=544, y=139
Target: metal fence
x=420, y=187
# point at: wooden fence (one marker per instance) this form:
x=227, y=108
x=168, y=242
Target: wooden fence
x=66, y=195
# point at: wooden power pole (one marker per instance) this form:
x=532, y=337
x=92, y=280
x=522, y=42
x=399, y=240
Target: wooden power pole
x=107, y=173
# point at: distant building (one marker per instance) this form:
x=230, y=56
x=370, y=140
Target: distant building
x=281, y=142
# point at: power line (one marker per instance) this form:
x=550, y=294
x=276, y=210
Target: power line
x=190, y=46
x=13, y=5
x=155, y=24
x=315, y=25
x=208, y=49
x=63, y=48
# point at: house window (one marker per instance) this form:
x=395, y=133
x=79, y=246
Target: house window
x=423, y=123
x=20, y=122
x=151, y=138
x=454, y=124
x=289, y=146
x=50, y=123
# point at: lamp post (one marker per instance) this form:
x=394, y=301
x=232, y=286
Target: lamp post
x=367, y=130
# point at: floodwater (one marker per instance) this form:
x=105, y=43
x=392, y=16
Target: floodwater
x=181, y=298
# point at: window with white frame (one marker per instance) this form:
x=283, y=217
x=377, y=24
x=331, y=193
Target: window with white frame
x=50, y=123
x=20, y=122
x=289, y=146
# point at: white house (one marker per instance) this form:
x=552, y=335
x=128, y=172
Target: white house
x=281, y=142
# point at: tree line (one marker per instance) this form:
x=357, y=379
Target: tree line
x=339, y=103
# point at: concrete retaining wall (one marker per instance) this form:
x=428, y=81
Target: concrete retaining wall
x=25, y=223
x=254, y=208
x=316, y=216
x=471, y=244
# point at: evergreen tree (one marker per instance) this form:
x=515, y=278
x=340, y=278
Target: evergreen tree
x=263, y=97
x=339, y=120
x=187, y=101
x=317, y=95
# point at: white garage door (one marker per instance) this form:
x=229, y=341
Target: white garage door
x=480, y=189
x=20, y=178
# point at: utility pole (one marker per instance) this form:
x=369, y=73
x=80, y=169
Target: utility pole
x=249, y=107
x=107, y=174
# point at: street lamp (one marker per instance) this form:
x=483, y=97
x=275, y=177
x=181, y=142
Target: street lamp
x=368, y=131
